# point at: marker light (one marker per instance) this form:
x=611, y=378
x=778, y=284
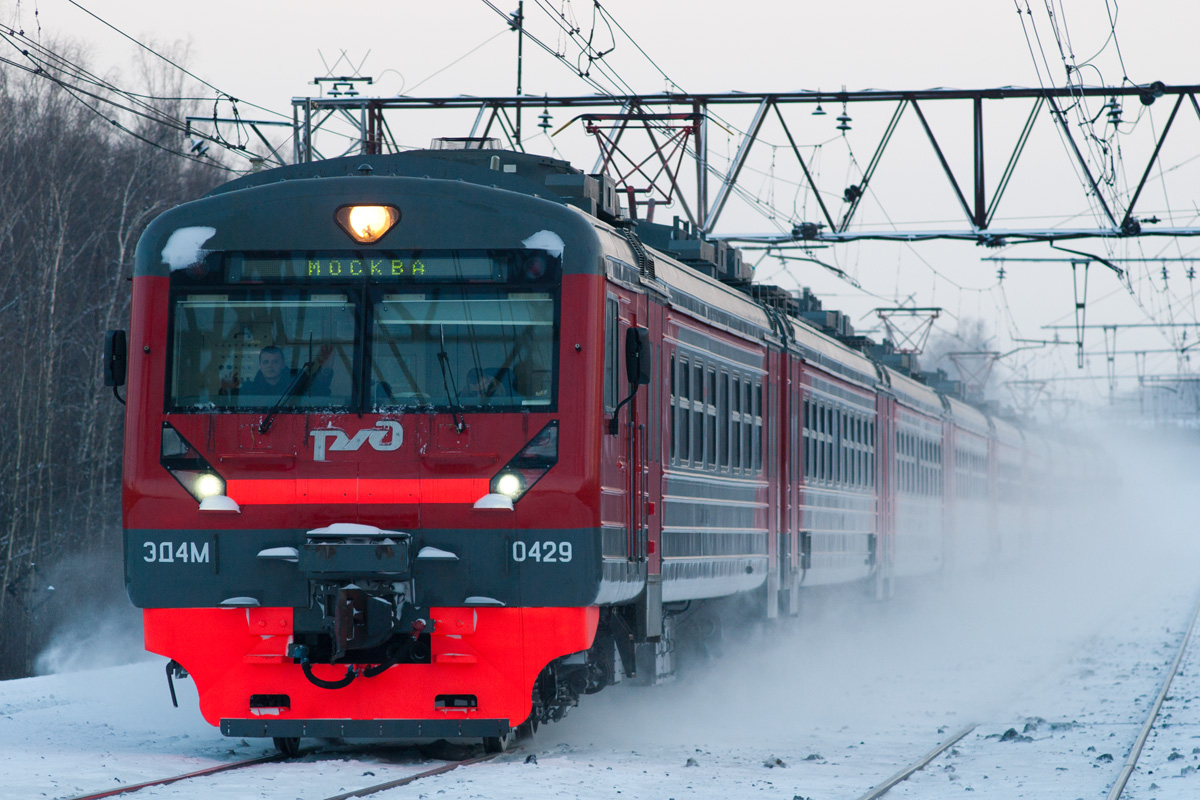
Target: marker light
x=367, y=224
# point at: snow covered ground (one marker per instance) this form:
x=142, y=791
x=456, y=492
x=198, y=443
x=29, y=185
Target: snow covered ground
x=839, y=704
x=1066, y=651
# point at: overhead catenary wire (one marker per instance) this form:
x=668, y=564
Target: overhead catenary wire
x=33, y=50
x=465, y=55
x=159, y=55
x=763, y=205
x=47, y=72
x=1104, y=150
x=1042, y=82
x=73, y=79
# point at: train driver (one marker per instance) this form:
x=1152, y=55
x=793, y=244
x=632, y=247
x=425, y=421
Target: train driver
x=481, y=386
x=272, y=377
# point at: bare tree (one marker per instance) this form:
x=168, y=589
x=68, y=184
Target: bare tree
x=75, y=195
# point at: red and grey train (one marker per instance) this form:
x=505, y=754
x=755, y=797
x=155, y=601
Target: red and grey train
x=429, y=445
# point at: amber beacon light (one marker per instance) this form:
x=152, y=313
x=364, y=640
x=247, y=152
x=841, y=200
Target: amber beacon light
x=367, y=224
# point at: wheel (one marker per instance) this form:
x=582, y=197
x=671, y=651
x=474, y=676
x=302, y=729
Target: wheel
x=288, y=745
x=527, y=729
x=498, y=744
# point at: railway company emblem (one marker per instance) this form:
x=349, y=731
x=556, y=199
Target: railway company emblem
x=384, y=437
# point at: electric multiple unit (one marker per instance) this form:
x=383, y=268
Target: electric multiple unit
x=429, y=445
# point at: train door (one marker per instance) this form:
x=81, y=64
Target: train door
x=774, y=454
x=791, y=422
x=994, y=457
x=648, y=471
x=629, y=493
x=952, y=501
x=885, y=492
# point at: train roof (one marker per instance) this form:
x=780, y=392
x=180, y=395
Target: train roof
x=914, y=394
x=968, y=417
x=679, y=279
x=830, y=354
x=1007, y=433
x=504, y=169
x=815, y=347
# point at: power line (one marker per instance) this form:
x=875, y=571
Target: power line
x=157, y=54
x=470, y=52
x=667, y=78
x=139, y=108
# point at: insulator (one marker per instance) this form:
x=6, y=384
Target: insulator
x=1114, y=111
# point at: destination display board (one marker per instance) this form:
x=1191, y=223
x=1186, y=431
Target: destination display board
x=398, y=266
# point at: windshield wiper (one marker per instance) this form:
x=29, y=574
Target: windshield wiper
x=298, y=385
x=448, y=383
x=301, y=378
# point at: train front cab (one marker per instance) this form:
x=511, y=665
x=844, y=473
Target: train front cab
x=372, y=551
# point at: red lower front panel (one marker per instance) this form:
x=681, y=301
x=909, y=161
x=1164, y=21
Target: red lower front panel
x=494, y=654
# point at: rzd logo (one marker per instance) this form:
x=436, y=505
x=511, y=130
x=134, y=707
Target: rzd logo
x=376, y=437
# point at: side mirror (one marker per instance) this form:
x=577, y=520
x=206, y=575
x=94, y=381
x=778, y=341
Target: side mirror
x=637, y=356
x=115, y=348
x=637, y=369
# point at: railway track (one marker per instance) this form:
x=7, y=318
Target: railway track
x=200, y=773
x=1135, y=752
x=917, y=766
x=364, y=791
x=380, y=787
x=1118, y=787
x=1172, y=664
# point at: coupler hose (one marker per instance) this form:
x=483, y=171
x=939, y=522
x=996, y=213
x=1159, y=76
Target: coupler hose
x=346, y=680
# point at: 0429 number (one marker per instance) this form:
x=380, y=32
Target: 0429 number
x=543, y=552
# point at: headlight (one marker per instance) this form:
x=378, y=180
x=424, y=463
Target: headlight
x=367, y=224
x=208, y=485
x=188, y=466
x=508, y=484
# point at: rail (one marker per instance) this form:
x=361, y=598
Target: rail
x=1136, y=751
x=917, y=766
x=133, y=787
x=383, y=787
x=365, y=791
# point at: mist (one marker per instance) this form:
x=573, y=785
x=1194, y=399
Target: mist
x=93, y=625
x=949, y=650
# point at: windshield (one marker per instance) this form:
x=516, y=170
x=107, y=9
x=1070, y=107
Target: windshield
x=247, y=353
x=472, y=349
x=431, y=330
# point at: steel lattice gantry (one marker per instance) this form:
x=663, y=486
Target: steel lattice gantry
x=676, y=125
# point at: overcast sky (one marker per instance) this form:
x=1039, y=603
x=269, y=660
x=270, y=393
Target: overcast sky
x=266, y=52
